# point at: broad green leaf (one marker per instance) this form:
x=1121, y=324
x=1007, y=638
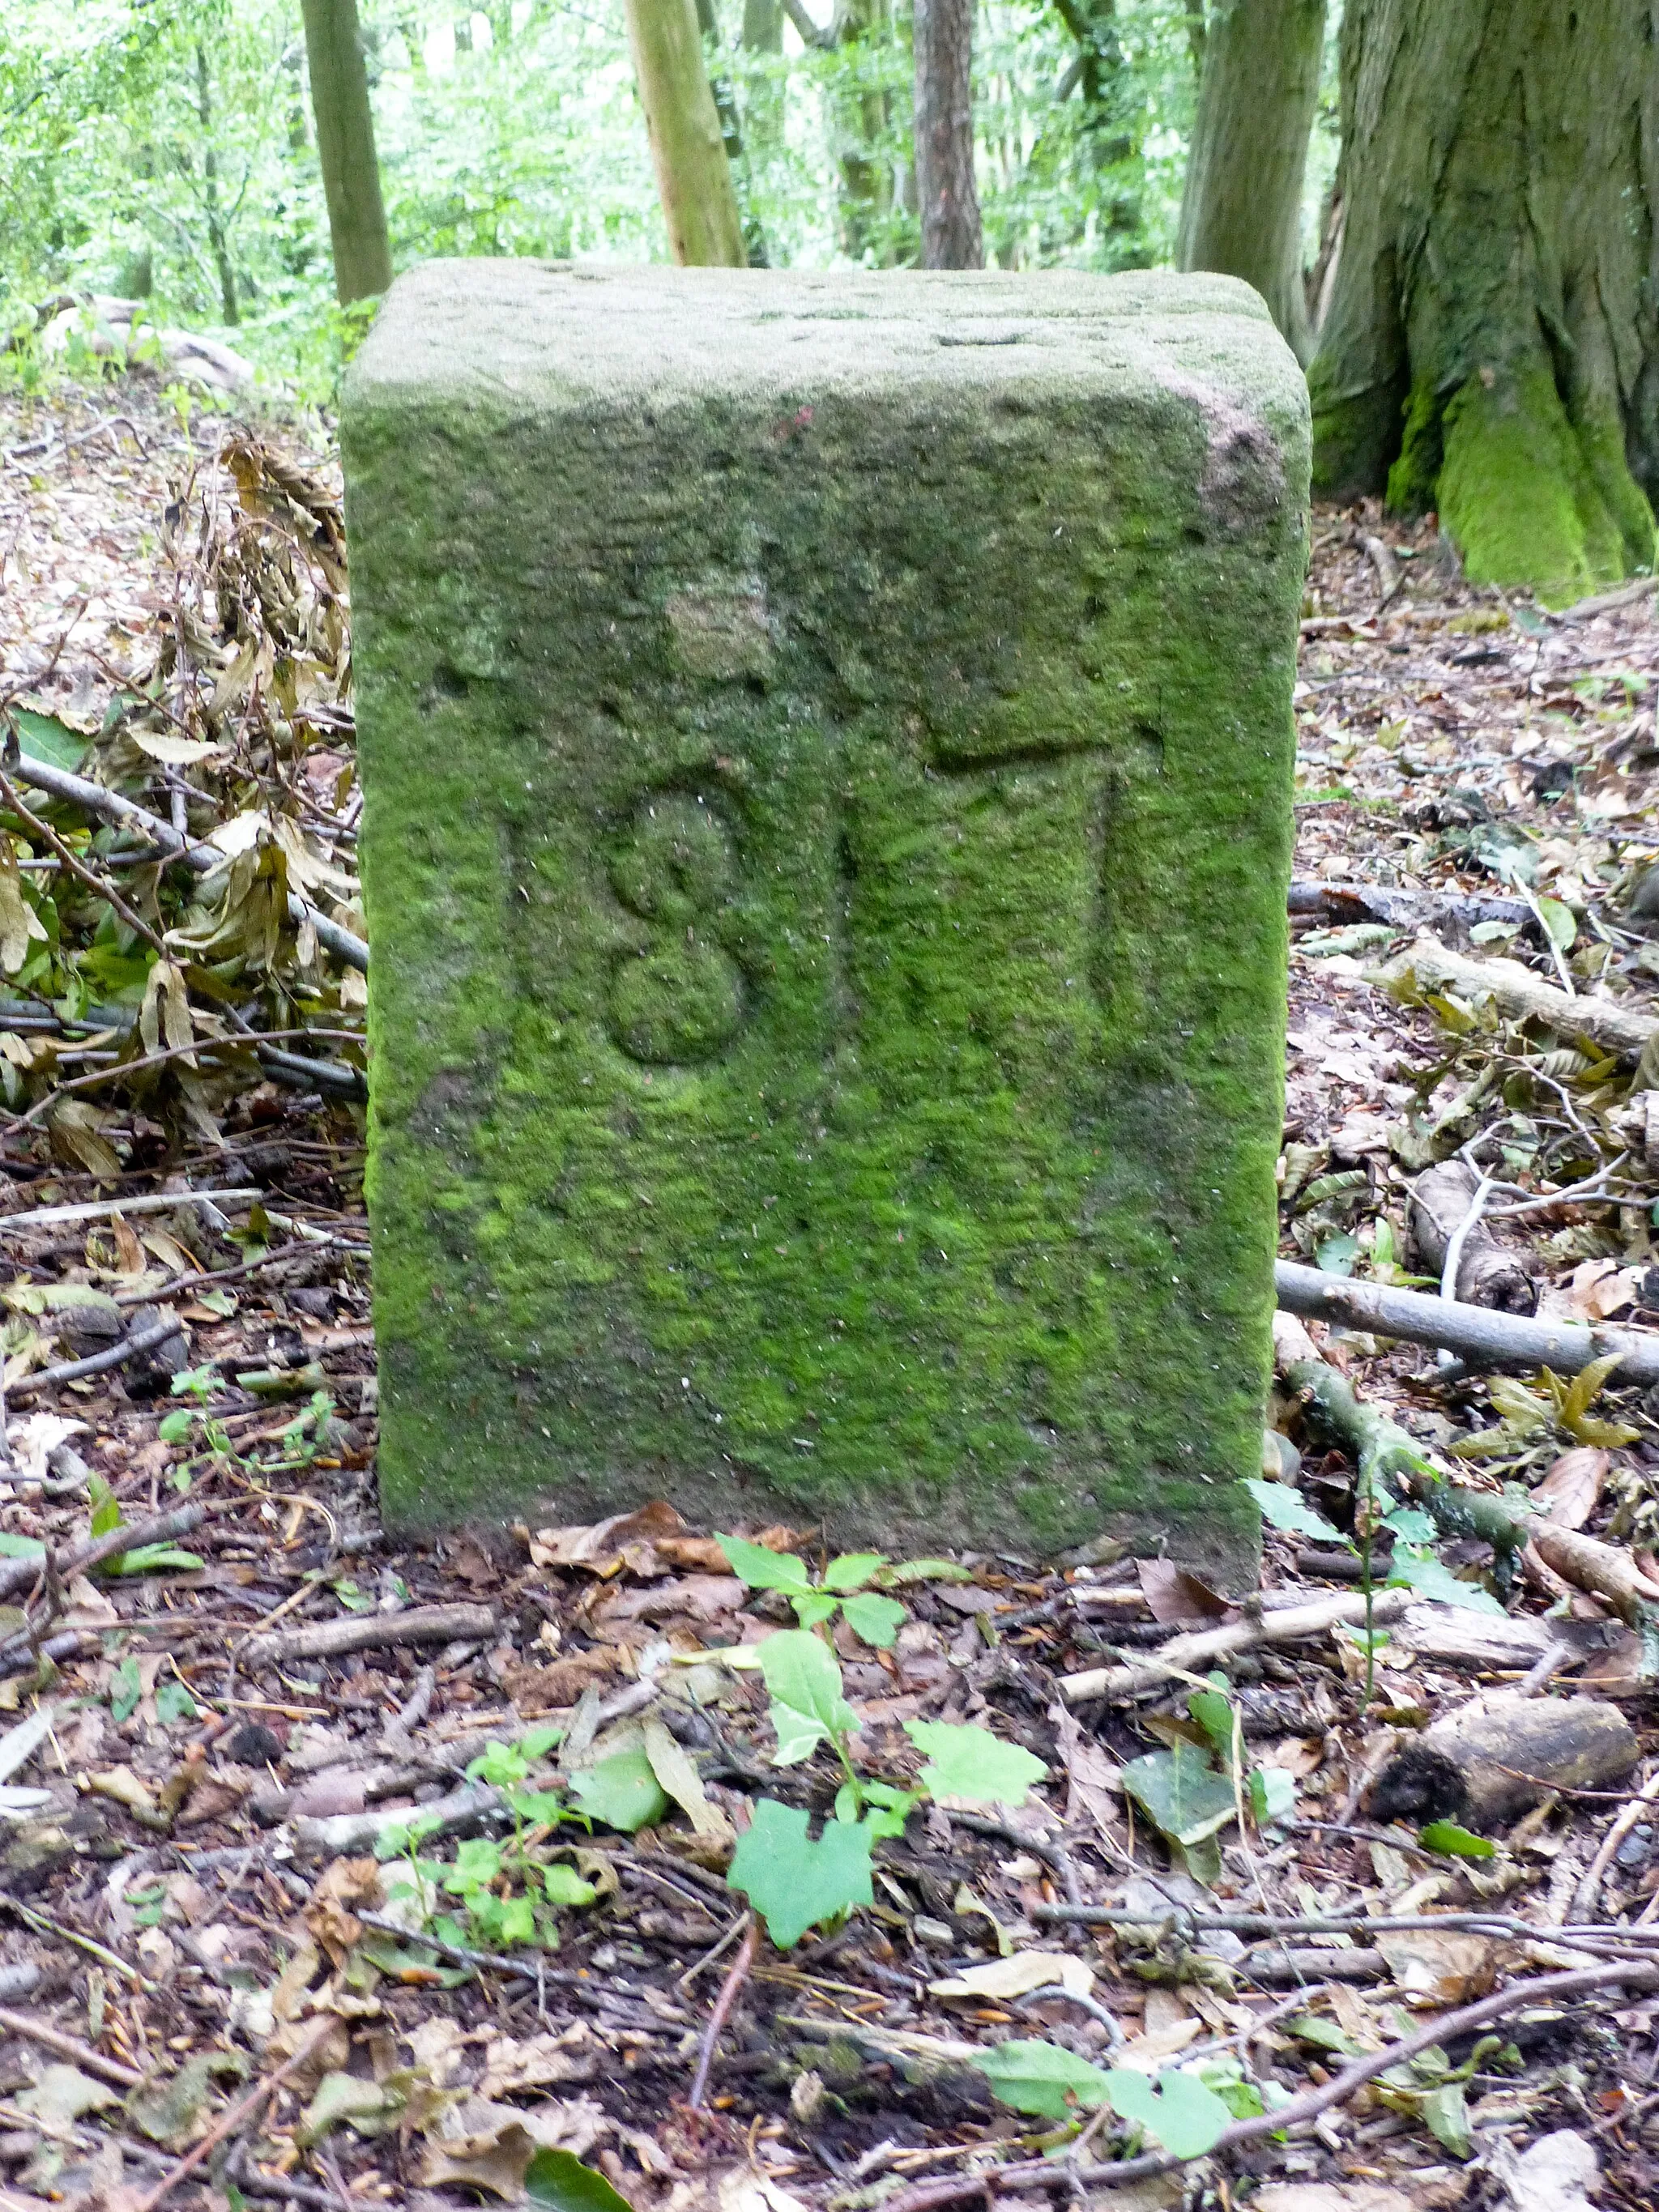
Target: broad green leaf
x=1337, y=1254
x=44, y=737
x=558, y=2177
x=1213, y=1712
x=149, y=1559
x=1411, y=1524
x=621, y=1791
x=105, y=1506
x=1181, y=1793
x=124, y=1690
x=175, y=1428
x=1286, y=1509
x=174, y=1702
x=1421, y=1571
x=876, y=1620
x=804, y=1680
x=814, y=1607
x=1323, y=2034
x=1176, y=2110
x=1272, y=1794
x=1559, y=920
x=763, y=1570
x=21, y=1548
x=1038, y=2077
x=1457, y=1843
x=852, y=1571
x=1445, y=2114
x=564, y=1885
x=344, y=2097
x=925, y=1571
x=965, y=1761
x=794, y=1881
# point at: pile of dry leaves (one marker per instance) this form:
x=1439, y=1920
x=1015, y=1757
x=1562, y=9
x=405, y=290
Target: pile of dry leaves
x=726, y=1873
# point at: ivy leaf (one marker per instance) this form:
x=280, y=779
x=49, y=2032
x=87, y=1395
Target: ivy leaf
x=564, y=1885
x=794, y=1881
x=965, y=1761
x=852, y=1570
x=1420, y=1571
x=1181, y=1793
x=1287, y=1509
x=876, y=1620
x=558, y=2177
x=21, y=1548
x=754, y=1564
x=805, y=1683
x=1176, y=2110
x=174, y=1702
x=621, y=1791
x=1038, y=2077
x=148, y=1558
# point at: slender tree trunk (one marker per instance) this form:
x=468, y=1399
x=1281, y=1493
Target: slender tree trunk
x=863, y=127
x=1113, y=109
x=1497, y=281
x=217, y=239
x=345, y=148
x=1241, y=211
x=1197, y=32
x=694, y=177
x=762, y=33
x=725, y=106
x=942, y=33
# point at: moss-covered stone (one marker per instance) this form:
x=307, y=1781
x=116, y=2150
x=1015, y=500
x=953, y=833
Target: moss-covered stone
x=828, y=747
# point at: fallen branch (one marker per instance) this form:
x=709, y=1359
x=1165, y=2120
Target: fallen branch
x=70, y=2047
x=1451, y=1241
x=1480, y=1337
x=1427, y=967
x=1190, y=1654
x=333, y=1639
x=98, y=1362
x=1445, y=2028
x=110, y=807
x=160, y=1528
x=241, y=2112
x=717, y=2019
x=1487, y=1762
x=99, y=1209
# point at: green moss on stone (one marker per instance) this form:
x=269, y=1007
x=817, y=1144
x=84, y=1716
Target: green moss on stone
x=1530, y=500
x=828, y=753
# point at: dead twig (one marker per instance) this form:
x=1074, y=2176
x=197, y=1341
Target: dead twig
x=242, y=2111
x=70, y=2047
x=333, y=1639
x=717, y=2019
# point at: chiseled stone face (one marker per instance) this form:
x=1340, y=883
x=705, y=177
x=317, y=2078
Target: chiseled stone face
x=827, y=745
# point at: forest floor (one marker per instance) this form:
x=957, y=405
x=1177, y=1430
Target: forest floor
x=210, y=1991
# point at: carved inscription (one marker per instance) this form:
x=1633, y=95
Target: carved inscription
x=677, y=999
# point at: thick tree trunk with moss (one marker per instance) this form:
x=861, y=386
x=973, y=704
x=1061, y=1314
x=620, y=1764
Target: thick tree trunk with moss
x=942, y=33
x=1489, y=348
x=1241, y=211
x=345, y=149
x=694, y=176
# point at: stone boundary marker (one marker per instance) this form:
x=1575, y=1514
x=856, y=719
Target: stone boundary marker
x=827, y=744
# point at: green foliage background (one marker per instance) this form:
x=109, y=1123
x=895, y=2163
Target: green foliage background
x=515, y=130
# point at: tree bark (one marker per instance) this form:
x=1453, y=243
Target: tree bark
x=217, y=237
x=1241, y=210
x=942, y=33
x=1496, y=282
x=694, y=176
x=345, y=148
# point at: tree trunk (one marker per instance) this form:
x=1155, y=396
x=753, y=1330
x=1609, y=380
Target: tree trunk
x=943, y=33
x=218, y=239
x=1495, y=284
x=345, y=148
x=694, y=177
x=1241, y=211
x=1114, y=118
x=726, y=107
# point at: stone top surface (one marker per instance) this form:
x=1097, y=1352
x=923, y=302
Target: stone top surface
x=558, y=337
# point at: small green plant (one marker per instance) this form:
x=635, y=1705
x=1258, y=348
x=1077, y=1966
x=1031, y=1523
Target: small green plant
x=845, y=1587
x=144, y=1559
x=509, y=1891
x=1184, y=2113
x=796, y=1881
x=1190, y=1791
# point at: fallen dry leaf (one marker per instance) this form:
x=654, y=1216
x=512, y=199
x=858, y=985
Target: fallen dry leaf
x=1439, y=1970
x=1017, y=1977
x=1572, y=1490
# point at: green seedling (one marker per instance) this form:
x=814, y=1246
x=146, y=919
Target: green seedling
x=845, y=1587
x=144, y=1559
